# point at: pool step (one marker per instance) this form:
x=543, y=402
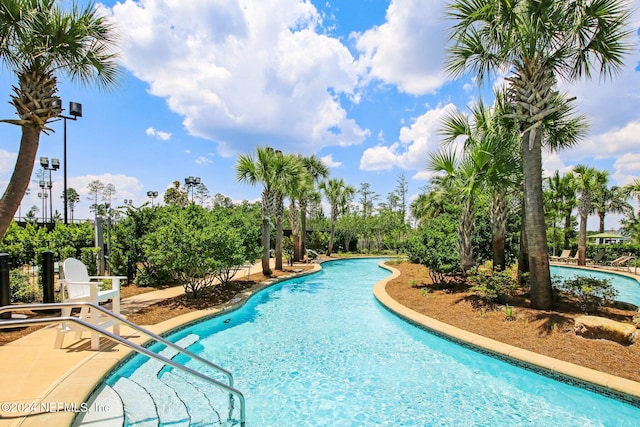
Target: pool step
x=140, y=409
x=170, y=408
x=195, y=395
x=105, y=410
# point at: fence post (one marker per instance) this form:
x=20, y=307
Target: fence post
x=47, y=277
x=5, y=288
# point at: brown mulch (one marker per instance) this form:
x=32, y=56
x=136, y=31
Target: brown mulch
x=548, y=332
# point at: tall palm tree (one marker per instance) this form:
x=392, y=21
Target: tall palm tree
x=589, y=180
x=314, y=170
x=567, y=189
x=538, y=42
x=339, y=195
x=487, y=133
x=462, y=180
x=610, y=200
x=275, y=172
x=40, y=42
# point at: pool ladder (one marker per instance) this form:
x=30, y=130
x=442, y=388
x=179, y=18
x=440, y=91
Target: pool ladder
x=138, y=348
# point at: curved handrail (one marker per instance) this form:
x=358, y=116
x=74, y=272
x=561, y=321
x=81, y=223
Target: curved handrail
x=36, y=307
x=53, y=320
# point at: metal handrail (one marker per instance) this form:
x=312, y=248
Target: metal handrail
x=36, y=307
x=142, y=350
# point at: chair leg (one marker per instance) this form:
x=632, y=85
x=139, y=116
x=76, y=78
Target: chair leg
x=95, y=337
x=115, y=308
x=84, y=315
x=62, y=329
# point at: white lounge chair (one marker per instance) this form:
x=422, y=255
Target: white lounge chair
x=563, y=256
x=77, y=286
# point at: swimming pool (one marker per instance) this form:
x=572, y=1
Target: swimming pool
x=320, y=351
x=627, y=287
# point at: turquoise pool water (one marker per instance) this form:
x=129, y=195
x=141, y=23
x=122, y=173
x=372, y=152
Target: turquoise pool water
x=320, y=351
x=627, y=287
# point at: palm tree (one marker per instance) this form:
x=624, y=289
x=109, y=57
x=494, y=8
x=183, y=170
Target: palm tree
x=339, y=195
x=567, y=189
x=488, y=134
x=610, y=200
x=588, y=180
x=303, y=193
x=275, y=172
x=39, y=42
x=538, y=42
x=633, y=190
x=461, y=181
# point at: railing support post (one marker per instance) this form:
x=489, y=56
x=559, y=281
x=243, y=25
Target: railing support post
x=5, y=288
x=47, y=277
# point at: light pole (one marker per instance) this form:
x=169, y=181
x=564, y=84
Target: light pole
x=75, y=111
x=191, y=183
x=43, y=195
x=152, y=195
x=55, y=165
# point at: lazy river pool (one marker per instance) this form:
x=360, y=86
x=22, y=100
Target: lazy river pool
x=319, y=350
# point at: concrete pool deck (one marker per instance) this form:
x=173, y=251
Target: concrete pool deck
x=42, y=386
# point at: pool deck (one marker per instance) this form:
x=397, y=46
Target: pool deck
x=39, y=385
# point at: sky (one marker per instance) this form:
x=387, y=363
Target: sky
x=359, y=83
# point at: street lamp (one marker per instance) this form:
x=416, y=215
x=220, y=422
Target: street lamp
x=191, y=183
x=75, y=111
x=152, y=195
x=55, y=165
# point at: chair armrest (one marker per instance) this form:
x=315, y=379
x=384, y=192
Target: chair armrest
x=115, y=280
x=79, y=283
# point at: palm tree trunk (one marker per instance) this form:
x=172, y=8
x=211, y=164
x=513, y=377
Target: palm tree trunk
x=334, y=218
x=540, y=276
x=266, y=269
x=602, y=215
x=523, y=256
x=498, y=230
x=21, y=176
x=279, y=215
x=582, y=240
x=295, y=233
x=303, y=229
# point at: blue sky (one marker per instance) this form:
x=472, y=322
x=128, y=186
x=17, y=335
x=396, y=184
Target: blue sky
x=360, y=83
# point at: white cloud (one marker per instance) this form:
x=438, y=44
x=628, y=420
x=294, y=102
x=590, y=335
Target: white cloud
x=203, y=161
x=626, y=169
x=164, y=136
x=408, y=49
x=552, y=162
x=243, y=72
x=415, y=142
x=379, y=158
x=611, y=144
x=329, y=162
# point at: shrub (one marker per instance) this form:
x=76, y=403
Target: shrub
x=496, y=287
x=434, y=246
x=591, y=291
x=22, y=290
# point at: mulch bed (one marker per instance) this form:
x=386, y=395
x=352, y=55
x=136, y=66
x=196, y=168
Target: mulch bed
x=547, y=332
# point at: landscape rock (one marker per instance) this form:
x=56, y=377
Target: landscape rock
x=601, y=328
